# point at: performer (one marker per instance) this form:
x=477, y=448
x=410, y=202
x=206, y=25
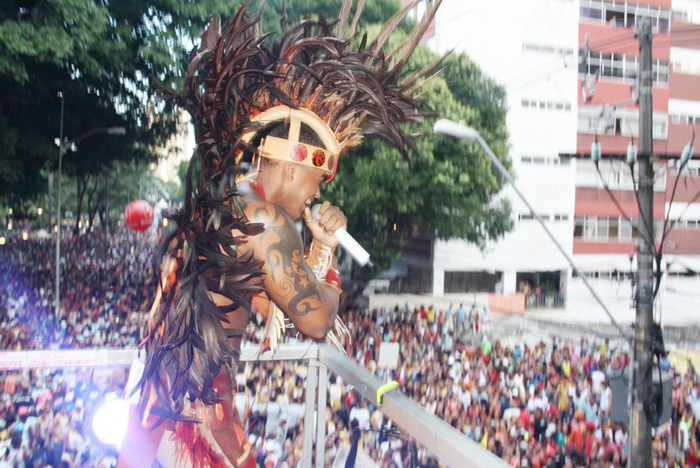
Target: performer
x=291, y=107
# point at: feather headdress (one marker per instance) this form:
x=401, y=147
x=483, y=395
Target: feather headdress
x=353, y=88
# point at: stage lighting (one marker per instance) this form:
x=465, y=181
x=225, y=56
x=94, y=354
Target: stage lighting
x=110, y=420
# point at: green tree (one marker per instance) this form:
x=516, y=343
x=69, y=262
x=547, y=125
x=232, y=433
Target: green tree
x=99, y=54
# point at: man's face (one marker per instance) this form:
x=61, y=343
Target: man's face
x=303, y=190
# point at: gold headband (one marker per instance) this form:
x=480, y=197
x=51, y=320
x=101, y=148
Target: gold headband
x=290, y=149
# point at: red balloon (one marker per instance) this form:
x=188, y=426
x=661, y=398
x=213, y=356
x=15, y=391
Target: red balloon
x=139, y=215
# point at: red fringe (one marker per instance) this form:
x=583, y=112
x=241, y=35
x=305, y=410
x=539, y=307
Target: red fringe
x=190, y=440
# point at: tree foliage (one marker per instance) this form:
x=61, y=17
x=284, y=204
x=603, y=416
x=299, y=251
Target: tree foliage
x=99, y=54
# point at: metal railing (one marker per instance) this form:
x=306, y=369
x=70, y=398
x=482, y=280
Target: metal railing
x=546, y=300
x=450, y=445
x=441, y=439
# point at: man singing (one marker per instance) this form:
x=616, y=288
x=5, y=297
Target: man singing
x=290, y=107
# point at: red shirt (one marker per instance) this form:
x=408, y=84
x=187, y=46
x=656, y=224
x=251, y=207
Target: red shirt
x=576, y=438
x=525, y=418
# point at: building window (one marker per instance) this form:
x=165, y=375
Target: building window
x=551, y=105
x=618, y=66
x=547, y=49
x=545, y=160
x=686, y=68
x=685, y=224
x=613, y=228
x=622, y=121
x=604, y=228
x=681, y=119
x=526, y=217
x=625, y=231
x=625, y=15
x=688, y=16
x=578, y=226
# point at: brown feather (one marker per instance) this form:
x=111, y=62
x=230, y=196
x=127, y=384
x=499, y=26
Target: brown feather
x=356, y=18
x=211, y=35
x=410, y=79
x=343, y=18
x=416, y=36
x=390, y=26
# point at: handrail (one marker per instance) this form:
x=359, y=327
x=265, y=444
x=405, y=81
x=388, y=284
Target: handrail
x=443, y=440
x=449, y=444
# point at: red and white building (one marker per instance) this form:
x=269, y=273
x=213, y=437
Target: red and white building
x=570, y=68
x=604, y=241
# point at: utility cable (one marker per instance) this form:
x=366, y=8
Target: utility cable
x=680, y=216
x=537, y=70
x=663, y=237
x=612, y=197
x=537, y=80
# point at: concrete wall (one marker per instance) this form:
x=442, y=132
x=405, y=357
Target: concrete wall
x=441, y=303
x=678, y=302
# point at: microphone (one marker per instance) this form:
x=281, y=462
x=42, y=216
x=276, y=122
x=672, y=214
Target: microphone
x=347, y=242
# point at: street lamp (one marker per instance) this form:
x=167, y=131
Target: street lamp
x=462, y=132
x=62, y=145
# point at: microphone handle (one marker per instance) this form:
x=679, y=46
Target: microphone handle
x=347, y=242
x=351, y=246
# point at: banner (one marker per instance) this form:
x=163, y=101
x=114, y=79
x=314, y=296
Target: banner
x=10, y=360
x=68, y=358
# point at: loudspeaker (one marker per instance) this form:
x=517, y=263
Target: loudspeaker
x=619, y=411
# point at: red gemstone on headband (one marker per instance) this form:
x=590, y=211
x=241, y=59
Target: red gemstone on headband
x=319, y=158
x=298, y=153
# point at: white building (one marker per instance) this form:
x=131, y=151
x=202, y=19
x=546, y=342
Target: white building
x=530, y=48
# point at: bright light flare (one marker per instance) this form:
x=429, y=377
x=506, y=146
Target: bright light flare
x=3, y=241
x=111, y=419
x=25, y=236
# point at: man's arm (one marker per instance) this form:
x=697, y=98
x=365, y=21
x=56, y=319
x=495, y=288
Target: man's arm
x=289, y=281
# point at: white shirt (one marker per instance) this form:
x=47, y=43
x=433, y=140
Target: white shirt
x=362, y=416
x=597, y=377
x=605, y=399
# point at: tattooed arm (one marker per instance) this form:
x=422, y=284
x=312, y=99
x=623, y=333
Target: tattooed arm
x=289, y=281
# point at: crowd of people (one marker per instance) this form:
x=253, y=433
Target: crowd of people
x=538, y=403
x=106, y=283
x=542, y=404
x=45, y=415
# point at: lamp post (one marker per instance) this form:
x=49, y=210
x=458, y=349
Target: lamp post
x=462, y=132
x=62, y=145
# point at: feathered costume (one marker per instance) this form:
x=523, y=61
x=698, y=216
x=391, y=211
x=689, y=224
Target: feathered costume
x=233, y=77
